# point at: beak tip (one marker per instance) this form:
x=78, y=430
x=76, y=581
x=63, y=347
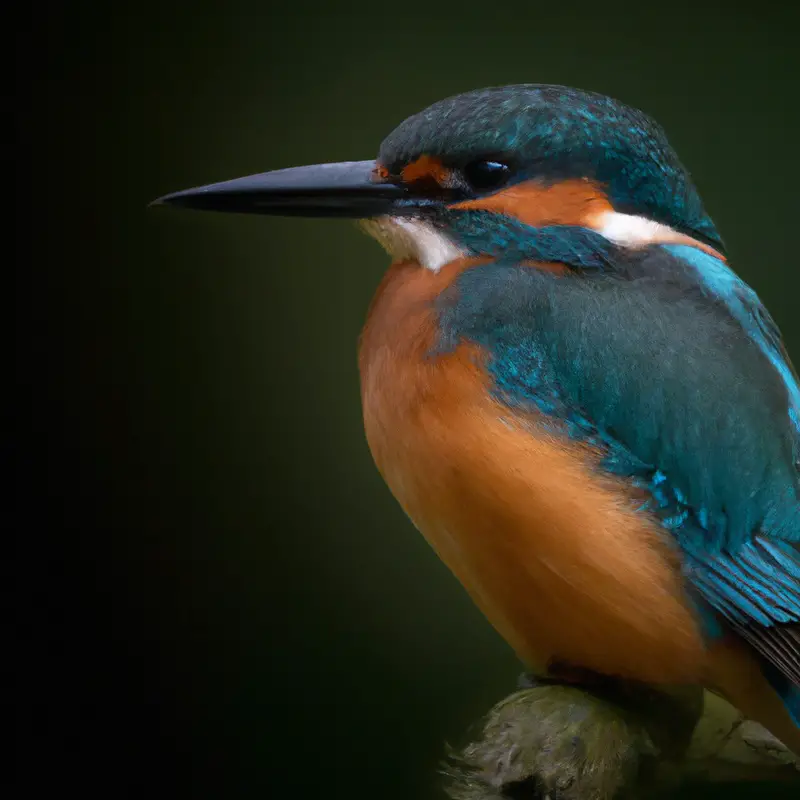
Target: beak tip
x=172, y=199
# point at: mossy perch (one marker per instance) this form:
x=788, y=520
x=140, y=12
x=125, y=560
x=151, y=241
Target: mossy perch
x=556, y=742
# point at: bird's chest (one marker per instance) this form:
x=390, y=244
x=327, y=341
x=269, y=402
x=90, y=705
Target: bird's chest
x=411, y=393
x=554, y=556
x=421, y=420
x=421, y=412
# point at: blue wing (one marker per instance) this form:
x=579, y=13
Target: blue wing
x=670, y=364
x=755, y=585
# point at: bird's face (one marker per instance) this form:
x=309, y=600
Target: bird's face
x=448, y=178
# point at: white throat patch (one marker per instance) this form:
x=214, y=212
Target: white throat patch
x=414, y=239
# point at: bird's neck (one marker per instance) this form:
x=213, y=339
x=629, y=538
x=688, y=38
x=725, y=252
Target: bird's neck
x=571, y=223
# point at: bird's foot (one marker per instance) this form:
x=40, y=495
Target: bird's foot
x=562, y=673
x=559, y=674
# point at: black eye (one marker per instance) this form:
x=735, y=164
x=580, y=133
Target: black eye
x=484, y=174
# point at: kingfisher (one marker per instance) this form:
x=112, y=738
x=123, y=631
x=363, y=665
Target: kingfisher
x=590, y=417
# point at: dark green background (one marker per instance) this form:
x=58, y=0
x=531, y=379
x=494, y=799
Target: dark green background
x=223, y=599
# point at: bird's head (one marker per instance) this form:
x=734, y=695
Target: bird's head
x=447, y=179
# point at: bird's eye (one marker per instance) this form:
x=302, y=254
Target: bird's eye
x=484, y=174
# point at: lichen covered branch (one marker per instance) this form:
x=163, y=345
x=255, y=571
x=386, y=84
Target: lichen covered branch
x=559, y=742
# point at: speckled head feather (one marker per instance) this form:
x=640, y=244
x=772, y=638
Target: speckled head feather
x=555, y=133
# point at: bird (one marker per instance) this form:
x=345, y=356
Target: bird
x=592, y=419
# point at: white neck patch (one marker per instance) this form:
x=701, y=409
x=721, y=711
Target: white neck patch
x=405, y=237
x=632, y=231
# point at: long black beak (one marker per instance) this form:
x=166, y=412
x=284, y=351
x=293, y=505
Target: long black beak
x=347, y=189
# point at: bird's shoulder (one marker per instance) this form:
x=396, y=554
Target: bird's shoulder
x=666, y=359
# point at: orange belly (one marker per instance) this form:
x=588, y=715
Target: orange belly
x=553, y=553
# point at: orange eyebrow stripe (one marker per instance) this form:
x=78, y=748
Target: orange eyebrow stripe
x=572, y=202
x=425, y=168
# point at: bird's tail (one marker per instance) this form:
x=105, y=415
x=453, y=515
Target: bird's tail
x=792, y=700
x=757, y=689
x=788, y=691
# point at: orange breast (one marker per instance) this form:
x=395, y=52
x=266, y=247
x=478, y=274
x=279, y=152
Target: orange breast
x=553, y=553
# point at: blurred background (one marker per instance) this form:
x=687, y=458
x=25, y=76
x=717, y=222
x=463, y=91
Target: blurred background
x=222, y=598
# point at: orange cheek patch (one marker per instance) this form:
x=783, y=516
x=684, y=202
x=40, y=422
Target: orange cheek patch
x=573, y=202
x=425, y=168
x=381, y=173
